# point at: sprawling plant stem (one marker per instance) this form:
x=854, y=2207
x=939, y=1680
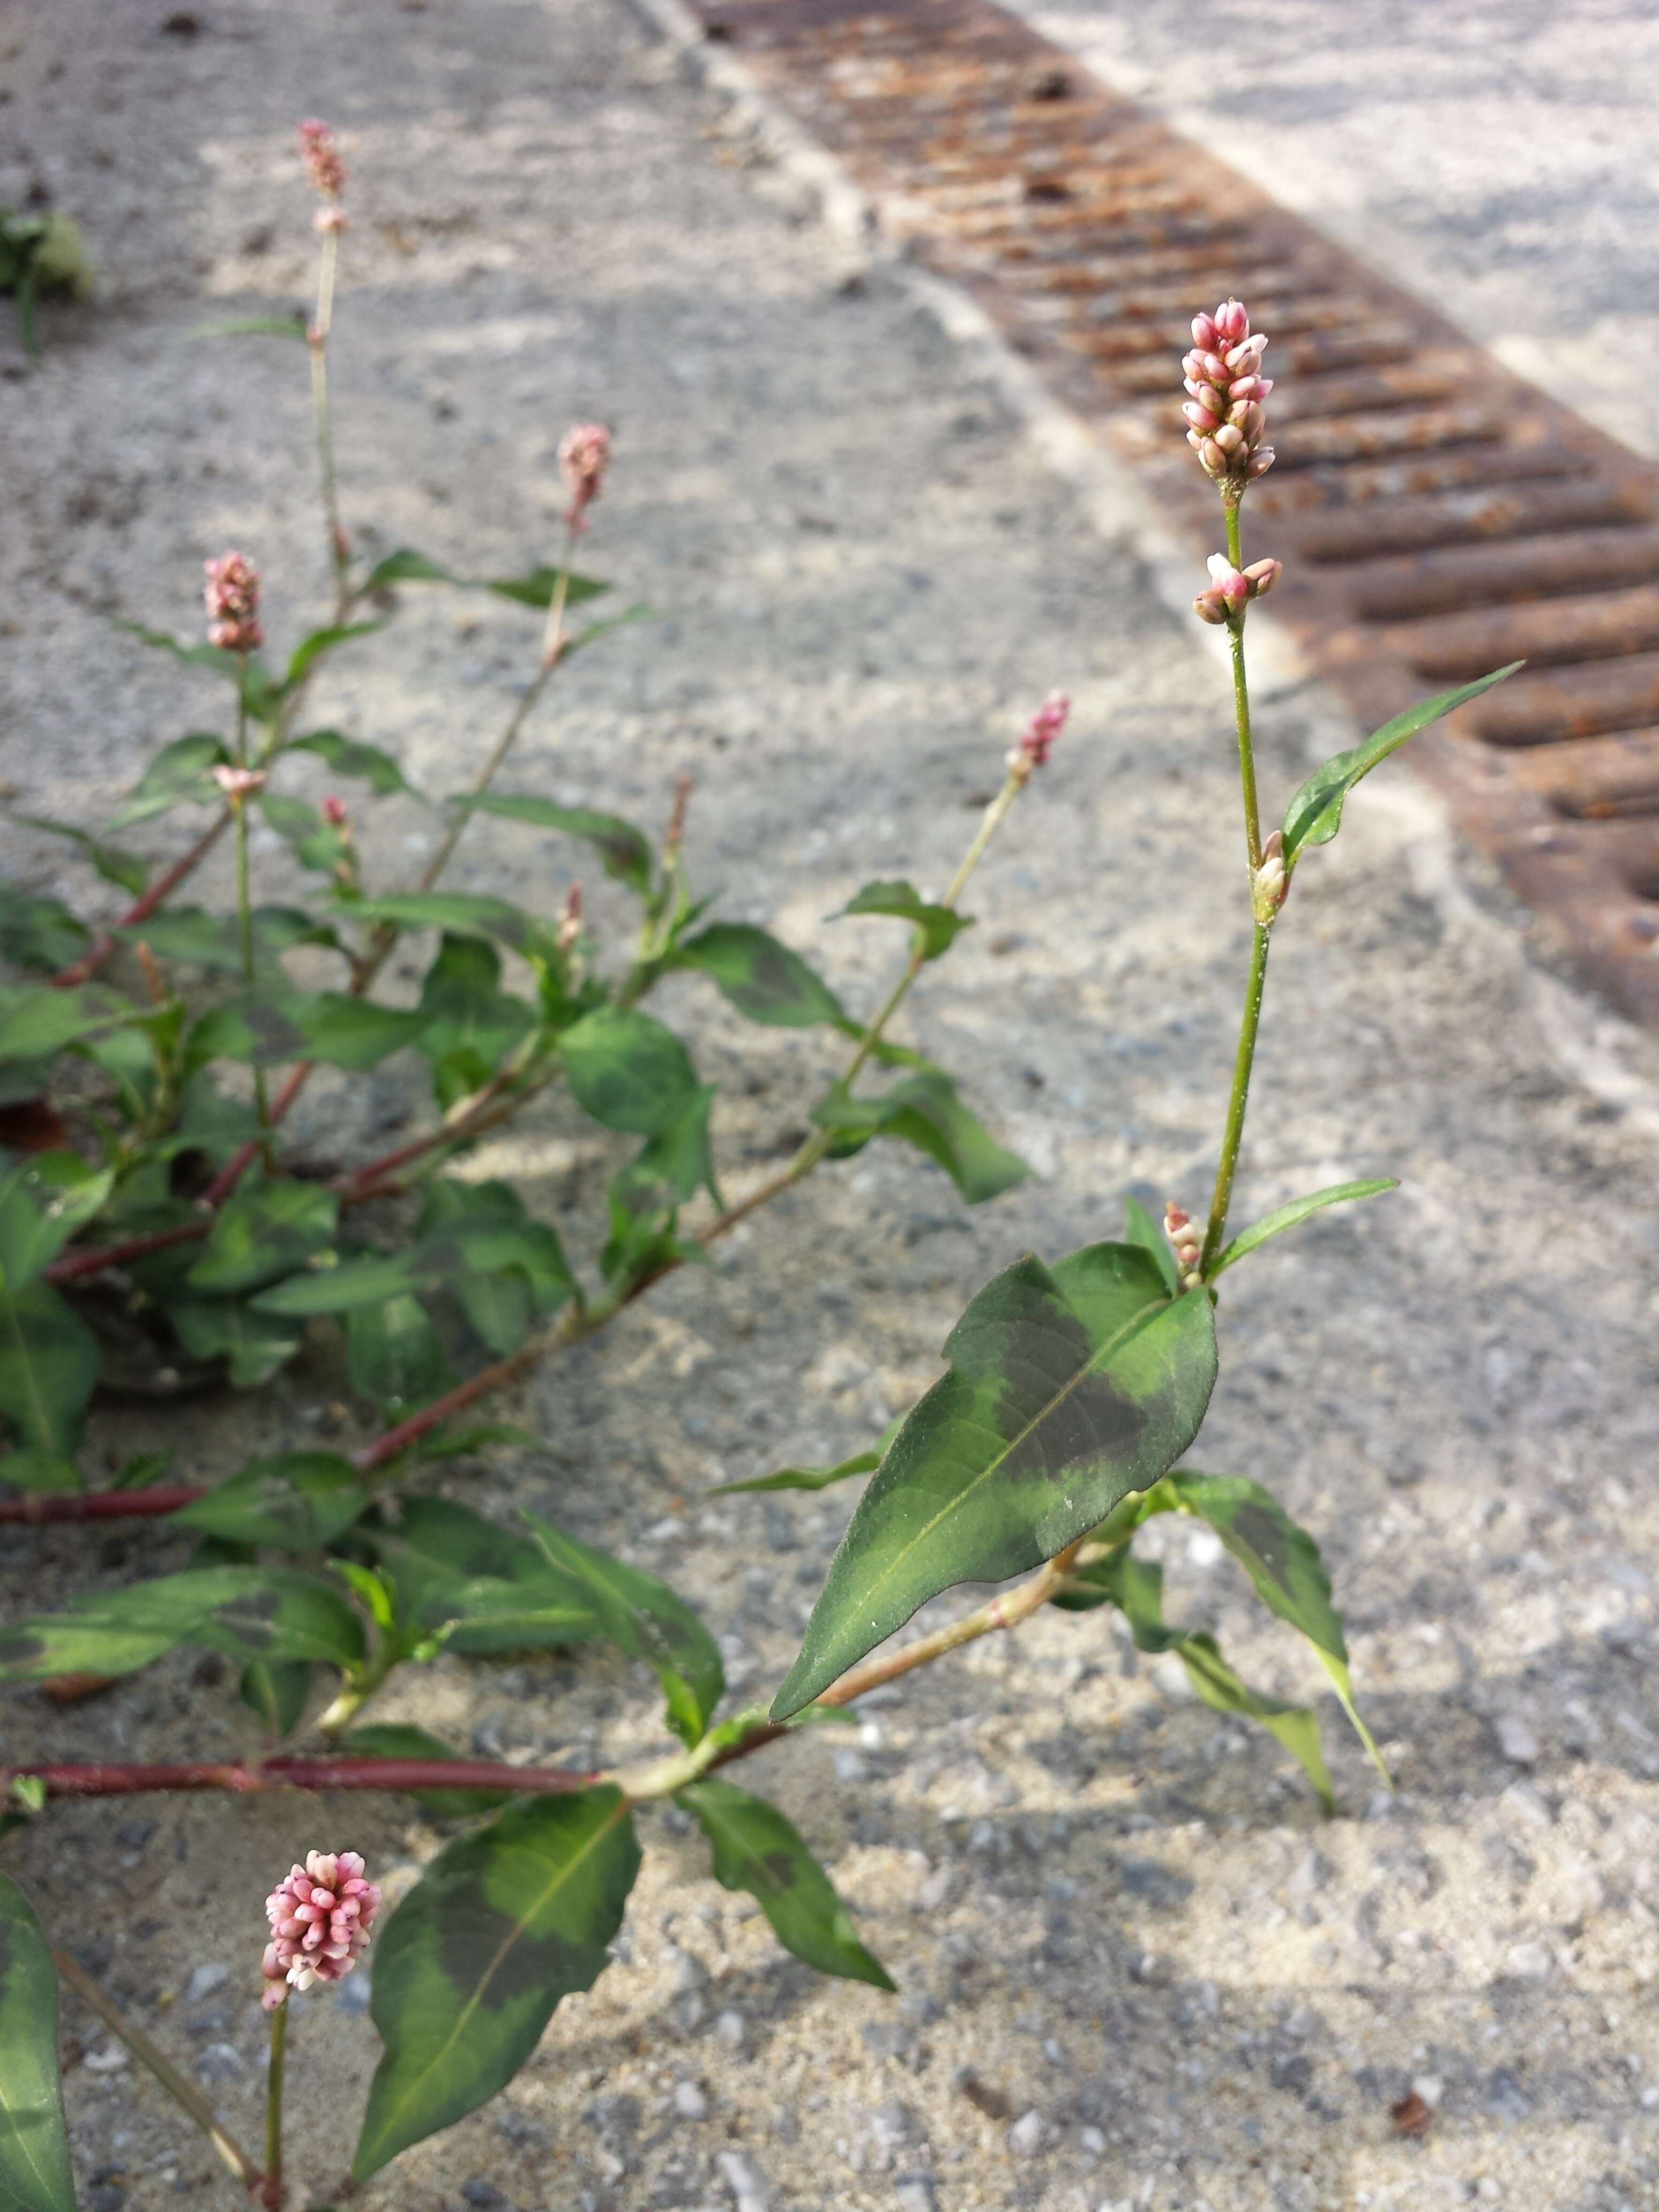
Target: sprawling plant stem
x=177, y=2085
x=1232, y=1137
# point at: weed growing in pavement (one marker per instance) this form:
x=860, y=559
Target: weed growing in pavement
x=146, y=1071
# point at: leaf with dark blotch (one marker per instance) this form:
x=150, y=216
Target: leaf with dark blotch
x=624, y=852
x=125, y=870
x=757, y=1850
x=40, y=935
x=273, y=1029
x=181, y=775
x=649, y=1622
x=249, y=1612
x=924, y=1110
x=502, y=1924
x=1068, y=1389
x=1287, y=1217
x=471, y=1023
x=299, y=1503
x=35, y=2159
x=534, y=589
x=48, y=1365
x=402, y=1740
x=627, y=1071
x=363, y=763
x=253, y=1345
x=939, y=926
x=762, y=978
x=262, y=1231
x=1314, y=814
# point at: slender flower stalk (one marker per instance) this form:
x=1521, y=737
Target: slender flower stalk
x=326, y=173
x=270, y=2193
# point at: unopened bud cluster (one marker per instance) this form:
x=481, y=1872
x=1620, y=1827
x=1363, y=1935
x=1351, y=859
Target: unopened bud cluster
x=238, y=784
x=1225, y=411
x=584, y=455
x=320, y=1917
x=1269, y=883
x=1231, y=589
x=232, y=594
x=1186, y=1240
x=326, y=172
x=1037, y=740
x=570, y=922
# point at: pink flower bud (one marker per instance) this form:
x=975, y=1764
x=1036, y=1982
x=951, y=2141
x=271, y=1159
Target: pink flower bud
x=321, y=156
x=232, y=594
x=584, y=455
x=1200, y=417
x=1205, y=336
x=330, y=218
x=1262, y=575
x=1186, y=1240
x=1229, y=589
x=335, y=813
x=1261, y=462
x=1269, y=884
x=1037, y=744
x=1231, y=322
x=1213, y=458
x=238, y=784
x=320, y=1918
x=1229, y=438
x=570, y=922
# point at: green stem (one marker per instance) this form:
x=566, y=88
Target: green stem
x=1241, y=694
x=1237, y=1103
x=244, y=901
x=339, y=550
x=183, y=2091
x=272, y=2191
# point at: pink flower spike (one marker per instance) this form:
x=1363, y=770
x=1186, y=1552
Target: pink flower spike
x=584, y=455
x=320, y=1916
x=335, y=812
x=232, y=594
x=321, y=155
x=1223, y=376
x=1037, y=744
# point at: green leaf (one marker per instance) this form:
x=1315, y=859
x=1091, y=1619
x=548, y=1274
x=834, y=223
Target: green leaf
x=1143, y=1231
x=48, y=1365
x=1283, y=1563
x=350, y=756
x=647, y=1195
x=468, y=1970
x=924, y=1110
x=533, y=590
x=318, y=843
x=311, y=649
x=181, y=774
x=299, y=1503
x=253, y=327
x=1286, y=1216
x=126, y=870
x=40, y=934
x=757, y=1850
x=1067, y=1389
x=35, y=1023
x=479, y=1586
x=395, y=1356
x=272, y=1028
x=813, y=1478
x=249, y=1612
x=461, y=913
x=401, y=1740
x=43, y=1202
x=254, y=679
x=647, y=1619
x=624, y=851
x=255, y=1346
x=1314, y=814
x=762, y=978
x=590, y=633
x=939, y=926
x=262, y=1231
x=470, y=1024
x=277, y=1691
x=34, y=2159
x=627, y=1071
x=198, y=939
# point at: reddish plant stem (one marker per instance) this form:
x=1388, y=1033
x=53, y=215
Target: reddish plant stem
x=286, y=1773
x=241, y=1160
x=76, y=1265
x=159, y=892
x=37, y=1507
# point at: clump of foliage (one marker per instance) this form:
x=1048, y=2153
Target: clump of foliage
x=41, y=250
x=147, y=1069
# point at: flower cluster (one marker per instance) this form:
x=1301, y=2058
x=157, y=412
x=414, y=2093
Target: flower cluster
x=320, y=1918
x=1226, y=417
x=232, y=594
x=238, y=784
x=1187, y=1240
x=584, y=455
x=1037, y=744
x=1230, y=588
x=320, y=152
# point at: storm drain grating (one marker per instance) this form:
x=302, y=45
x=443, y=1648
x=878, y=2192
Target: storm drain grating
x=1436, y=514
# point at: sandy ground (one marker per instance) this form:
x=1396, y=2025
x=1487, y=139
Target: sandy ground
x=1137, y=1968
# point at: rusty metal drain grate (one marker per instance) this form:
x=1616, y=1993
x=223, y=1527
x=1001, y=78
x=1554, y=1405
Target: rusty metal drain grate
x=1436, y=514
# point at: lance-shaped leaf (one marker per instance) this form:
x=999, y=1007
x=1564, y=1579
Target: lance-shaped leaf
x=198, y=939
x=479, y=1585
x=350, y=757
x=1286, y=1216
x=468, y=1970
x=1314, y=814
x=1283, y=1563
x=939, y=926
x=34, y=2159
x=274, y=1028
x=181, y=775
x=299, y=1503
x=276, y=1689
x=311, y=649
x=249, y=1612
x=627, y=1071
x=534, y=589
x=48, y=1365
x=762, y=978
x=461, y=914
x=264, y=1231
x=38, y=934
x=43, y=1201
x=757, y=1850
x=924, y=1110
x=1142, y=1230
x=35, y=1024
x=470, y=1022
x=624, y=852
x=125, y=870
x=395, y=1355
x=804, y=1478
x=649, y=1622
x=255, y=1346
x=1069, y=1388
x=646, y=1197
x=402, y=1740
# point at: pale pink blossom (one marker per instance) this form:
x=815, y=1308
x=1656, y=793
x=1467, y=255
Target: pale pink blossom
x=320, y=153
x=1229, y=589
x=239, y=783
x=320, y=1919
x=232, y=594
x=1037, y=741
x=584, y=455
x=1186, y=1240
x=1225, y=411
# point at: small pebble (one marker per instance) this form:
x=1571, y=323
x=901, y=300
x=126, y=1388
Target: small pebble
x=689, y=2101
x=1027, y=2135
